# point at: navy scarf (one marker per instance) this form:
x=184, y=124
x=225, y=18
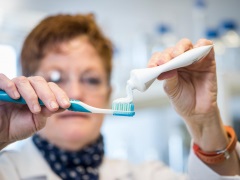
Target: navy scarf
x=83, y=164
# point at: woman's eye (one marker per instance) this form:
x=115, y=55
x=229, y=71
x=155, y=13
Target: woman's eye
x=92, y=80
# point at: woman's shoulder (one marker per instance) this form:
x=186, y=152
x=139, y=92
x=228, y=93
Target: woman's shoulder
x=21, y=159
x=9, y=160
x=19, y=150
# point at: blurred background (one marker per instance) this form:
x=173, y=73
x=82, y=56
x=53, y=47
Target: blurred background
x=139, y=28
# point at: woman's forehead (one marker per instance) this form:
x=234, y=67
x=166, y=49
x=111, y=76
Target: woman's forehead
x=84, y=57
x=79, y=44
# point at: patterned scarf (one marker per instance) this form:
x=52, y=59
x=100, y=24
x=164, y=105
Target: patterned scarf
x=83, y=164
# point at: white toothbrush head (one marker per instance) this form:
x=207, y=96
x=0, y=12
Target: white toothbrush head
x=123, y=109
x=123, y=105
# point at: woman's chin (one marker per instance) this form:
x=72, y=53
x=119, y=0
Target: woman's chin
x=75, y=139
x=75, y=134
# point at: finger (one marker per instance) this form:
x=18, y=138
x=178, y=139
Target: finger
x=60, y=95
x=7, y=85
x=44, y=92
x=28, y=93
x=203, y=42
x=159, y=58
x=182, y=46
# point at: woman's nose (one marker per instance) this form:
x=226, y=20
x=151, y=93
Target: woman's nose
x=74, y=90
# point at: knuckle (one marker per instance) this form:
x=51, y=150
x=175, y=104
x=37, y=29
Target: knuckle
x=156, y=56
x=52, y=84
x=33, y=98
x=186, y=40
x=55, y=88
x=10, y=85
x=204, y=41
x=21, y=80
x=37, y=79
x=200, y=41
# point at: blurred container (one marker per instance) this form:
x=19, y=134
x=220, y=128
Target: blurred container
x=178, y=146
x=231, y=40
x=214, y=35
x=163, y=38
x=229, y=34
x=199, y=19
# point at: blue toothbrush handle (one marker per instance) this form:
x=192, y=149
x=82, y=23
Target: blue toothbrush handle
x=74, y=106
x=5, y=97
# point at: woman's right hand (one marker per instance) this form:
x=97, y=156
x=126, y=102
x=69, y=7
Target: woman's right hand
x=19, y=121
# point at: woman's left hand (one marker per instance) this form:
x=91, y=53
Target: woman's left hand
x=192, y=91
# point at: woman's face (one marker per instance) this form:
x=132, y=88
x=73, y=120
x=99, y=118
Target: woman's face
x=78, y=69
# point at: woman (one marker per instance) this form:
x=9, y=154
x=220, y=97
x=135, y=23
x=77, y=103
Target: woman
x=67, y=56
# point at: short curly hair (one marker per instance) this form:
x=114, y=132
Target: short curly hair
x=61, y=28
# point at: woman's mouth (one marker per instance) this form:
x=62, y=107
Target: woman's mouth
x=70, y=115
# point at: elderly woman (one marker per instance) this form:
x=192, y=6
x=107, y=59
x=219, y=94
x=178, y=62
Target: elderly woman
x=67, y=56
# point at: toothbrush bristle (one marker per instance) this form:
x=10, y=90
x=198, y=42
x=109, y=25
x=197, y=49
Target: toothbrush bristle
x=123, y=109
x=120, y=106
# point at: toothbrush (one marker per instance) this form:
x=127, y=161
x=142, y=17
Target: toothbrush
x=78, y=106
x=141, y=79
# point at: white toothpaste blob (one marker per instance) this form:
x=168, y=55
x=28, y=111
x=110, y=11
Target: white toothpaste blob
x=127, y=99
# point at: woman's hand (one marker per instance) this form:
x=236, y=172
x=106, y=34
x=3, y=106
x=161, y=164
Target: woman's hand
x=192, y=91
x=19, y=121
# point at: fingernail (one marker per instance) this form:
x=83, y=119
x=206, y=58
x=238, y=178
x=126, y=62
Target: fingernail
x=53, y=105
x=65, y=102
x=16, y=94
x=36, y=108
